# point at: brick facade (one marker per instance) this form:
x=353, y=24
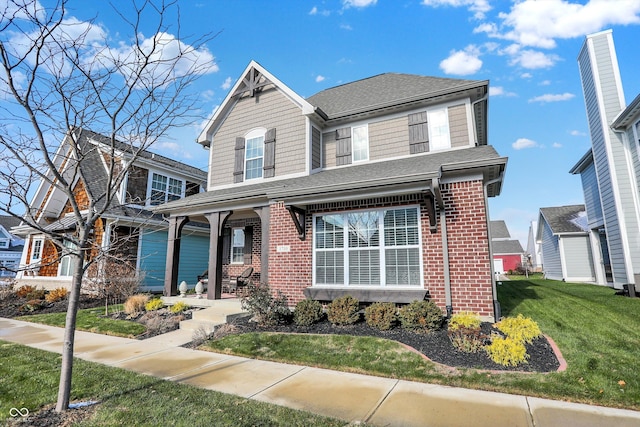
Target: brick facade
x=233, y=270
x=291, y=267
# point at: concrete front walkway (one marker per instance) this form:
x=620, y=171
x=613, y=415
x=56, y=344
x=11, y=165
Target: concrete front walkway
x=350, y=397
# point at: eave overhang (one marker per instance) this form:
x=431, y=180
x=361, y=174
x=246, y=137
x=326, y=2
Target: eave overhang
x=628, y=116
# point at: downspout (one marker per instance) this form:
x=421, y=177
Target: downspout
x=497, y=310
x=473, y=105
x=445, y=246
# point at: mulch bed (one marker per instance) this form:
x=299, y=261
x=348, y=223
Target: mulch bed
x=436, y=345
x=10, y=306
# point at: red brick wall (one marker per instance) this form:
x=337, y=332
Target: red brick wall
x=234, y=270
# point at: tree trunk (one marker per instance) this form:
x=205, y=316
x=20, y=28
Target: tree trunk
x=66, y=370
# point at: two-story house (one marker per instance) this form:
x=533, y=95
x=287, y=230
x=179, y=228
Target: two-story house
x=10, y=247
x=376, y=188
x=127, y=227
x=610, y=170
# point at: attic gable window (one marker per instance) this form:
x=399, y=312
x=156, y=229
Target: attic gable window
x=164, y=189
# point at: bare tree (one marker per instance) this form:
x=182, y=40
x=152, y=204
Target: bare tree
x=60, y=76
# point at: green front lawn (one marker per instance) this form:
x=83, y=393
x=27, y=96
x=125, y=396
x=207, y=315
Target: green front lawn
x=29, y=379
x=597, y=332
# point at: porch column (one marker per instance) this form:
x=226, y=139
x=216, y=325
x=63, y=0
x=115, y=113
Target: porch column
x=176, y=224
x=265, y=219
x=216, y=223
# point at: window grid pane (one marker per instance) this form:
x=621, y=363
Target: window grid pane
x=254, y=155
x=363, y=229
x=360, y=140
x=330, y=267
x=237, y=245
x=364, y=267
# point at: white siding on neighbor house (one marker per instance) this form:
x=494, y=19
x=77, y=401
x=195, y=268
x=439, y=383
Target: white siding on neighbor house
x=592, y=196
x=578, y=258
x=602, y=101
x=551, y=254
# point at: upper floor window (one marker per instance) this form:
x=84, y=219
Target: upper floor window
x=164, y=189
x=438, y=121
x=360, y=141
x=68, y=262
x=254, y=156
x=36, y=251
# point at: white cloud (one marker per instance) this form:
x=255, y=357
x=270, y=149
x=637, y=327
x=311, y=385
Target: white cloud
x=315, y=11
x=522, y=143
x=551, y=97
x=462, y=62
x=358, y=3
x=208, y=95
x=526, y=75
x=557, y=145
x=499, y=91
x=173, y=149
x=530, y=59
x=23, y=10
x=319, y=78
x=577, y=133
x=539, y=23
x=227, y=83
x=346, y=27
x=545, y=83
x=478, y=7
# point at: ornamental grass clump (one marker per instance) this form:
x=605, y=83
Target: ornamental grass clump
x=307, y=312
x=421, y=316
x=56, y=295
x=519, y=328
x=381, y=315
x=135, y=303
x=343, y=311
x=154, y=304
x=465, y=333
x=25, y=290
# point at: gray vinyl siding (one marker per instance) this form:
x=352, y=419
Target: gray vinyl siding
x=592, y=196
x=600, y=156
x=458, y=126
x=316, y=148
x=551, y=254
x=389, y=138
x=269, y=109
x=578, y=258
x=633, y=228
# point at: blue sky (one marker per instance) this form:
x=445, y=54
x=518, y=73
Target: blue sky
x=527, y=49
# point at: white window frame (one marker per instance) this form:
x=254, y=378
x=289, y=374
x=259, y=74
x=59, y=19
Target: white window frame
x=365, y=149
x=438, y=120
x=168, y=195
x=257, y=135
x=382, y=248
x=68, y=259
x=233, y=246
x=40, y=248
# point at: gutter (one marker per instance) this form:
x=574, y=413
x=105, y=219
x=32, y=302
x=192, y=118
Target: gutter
x=445, y=247
x=497, y=311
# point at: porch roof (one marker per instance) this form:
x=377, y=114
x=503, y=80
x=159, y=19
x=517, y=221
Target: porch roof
x=409, y=174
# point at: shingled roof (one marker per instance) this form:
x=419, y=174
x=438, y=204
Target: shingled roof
x=565, y=219
x=499, y=230
x=507, y=247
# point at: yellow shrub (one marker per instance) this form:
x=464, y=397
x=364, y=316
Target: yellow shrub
x=25, y=290
x=154, y=304
x=507, y=351
x=178, y=307
x=519, y=328
x=135, y=303
x=464, y=319
x=56, y=295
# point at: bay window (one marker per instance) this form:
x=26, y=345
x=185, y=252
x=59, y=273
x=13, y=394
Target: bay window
x=368, y=248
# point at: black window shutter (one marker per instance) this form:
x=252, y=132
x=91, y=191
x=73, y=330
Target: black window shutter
x=238, y=169
x=248, y=244
x=226, y=245
x=269, y=166
x=343, y=146
x=418, y=133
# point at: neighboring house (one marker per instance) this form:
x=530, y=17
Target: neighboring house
x=610, y=170
x=534, y=250
x=563, y=235
x=127, y=228
x=10, y=247
x=376, y=188
x=507, y=252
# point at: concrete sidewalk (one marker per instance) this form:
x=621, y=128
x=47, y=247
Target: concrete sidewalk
x=350, y=397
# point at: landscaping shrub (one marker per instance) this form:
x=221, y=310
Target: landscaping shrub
x=25, y=290
x=56, y=295
x=178, y=307
x=465, y=333
x=307, y=312
x=135, y=303
x=381, y=315
x=31, y=306
x=37, y=294
x=343, y=311
x=265, y=309
x=154, y=304
x=6, y=289
x=519, y=328
x=507, y=351
x=421, y=316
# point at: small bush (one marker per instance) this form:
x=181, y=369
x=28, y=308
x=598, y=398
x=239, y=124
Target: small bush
x=468, y=340
x=519, y=328
x=266, y=309
x=31, y=306
x=56, y=295
x=381, y=315
x=135, y=303
x=153, y=304
x=464, y=319
x=307, y=312
x=25, y=290
x=37, y=294
x=421, y=316
x=178, y=307
x=343, y=311
x=507, y=351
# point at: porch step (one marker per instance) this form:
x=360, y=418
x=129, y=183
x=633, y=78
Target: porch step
x=221, y=312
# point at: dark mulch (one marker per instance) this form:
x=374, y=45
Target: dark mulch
x=157, y=322
x=48, y=417
x=10, y=306
x=436, y=345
